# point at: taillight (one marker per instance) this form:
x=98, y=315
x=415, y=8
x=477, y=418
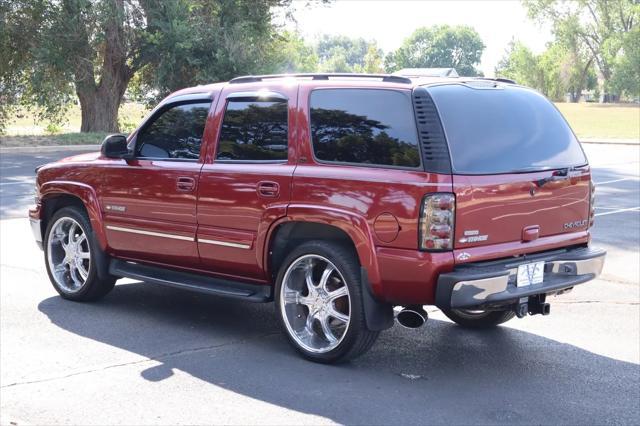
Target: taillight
x=592, y=203
x=437, y=217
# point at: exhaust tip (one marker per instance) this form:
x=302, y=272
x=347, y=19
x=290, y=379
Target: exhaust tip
x=414, y=317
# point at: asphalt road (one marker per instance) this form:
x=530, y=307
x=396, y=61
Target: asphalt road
x=153, y=355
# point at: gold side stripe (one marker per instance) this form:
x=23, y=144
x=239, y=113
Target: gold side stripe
x=224, y=243
x=151, y=233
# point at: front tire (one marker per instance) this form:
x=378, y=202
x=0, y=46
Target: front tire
x=73, y=257
x=478, y=319
x=319, y=303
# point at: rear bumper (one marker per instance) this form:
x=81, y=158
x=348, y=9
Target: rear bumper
x=490, y=284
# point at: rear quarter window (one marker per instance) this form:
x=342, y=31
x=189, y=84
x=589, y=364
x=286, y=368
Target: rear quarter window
x=503, y=130
x=364, y=127
x=254, y=131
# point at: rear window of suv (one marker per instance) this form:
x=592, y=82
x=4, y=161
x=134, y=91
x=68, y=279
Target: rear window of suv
x=504, y=130
x=364, y=127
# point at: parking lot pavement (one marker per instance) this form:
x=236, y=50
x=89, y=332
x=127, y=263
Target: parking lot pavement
x=17, y=178
x=154, y=355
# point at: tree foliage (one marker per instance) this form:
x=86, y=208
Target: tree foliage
x=292, y=54
x=93, y=48
x=626, y=75
x=440, y=46
x=339, y=53
x=557, y=71
x=600, y=26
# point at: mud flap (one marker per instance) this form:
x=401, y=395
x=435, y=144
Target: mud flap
x=378, y=315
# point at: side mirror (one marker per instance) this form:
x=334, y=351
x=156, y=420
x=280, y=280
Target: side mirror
x=115, y=146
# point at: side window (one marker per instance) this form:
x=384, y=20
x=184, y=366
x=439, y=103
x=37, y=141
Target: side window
x=254, y=130
x=176, y=133
x=364, y=126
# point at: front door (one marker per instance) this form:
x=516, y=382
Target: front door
x=246, y=185
x=149, y=202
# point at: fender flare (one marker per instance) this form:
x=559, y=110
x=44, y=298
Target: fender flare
x=378, y=314
x=87, y=195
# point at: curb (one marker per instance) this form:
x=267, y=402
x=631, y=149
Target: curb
x=611, y=141
x=47, y=148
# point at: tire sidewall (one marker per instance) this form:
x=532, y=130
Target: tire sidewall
x=348, y=266
x=92, y=277
x=488, y=319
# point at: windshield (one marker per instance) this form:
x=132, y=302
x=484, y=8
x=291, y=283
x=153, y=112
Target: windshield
x=504, y=130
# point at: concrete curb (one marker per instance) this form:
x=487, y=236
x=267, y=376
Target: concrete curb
x=46, y=148
x=610, y=141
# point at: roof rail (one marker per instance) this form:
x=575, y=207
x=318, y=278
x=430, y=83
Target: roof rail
x=320, y=76
x=500, y=79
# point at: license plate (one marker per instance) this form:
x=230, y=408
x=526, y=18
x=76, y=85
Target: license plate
x=530, y=273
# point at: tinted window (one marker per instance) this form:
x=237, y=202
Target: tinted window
x=364, y=126
x=176, y=133
x=254, y=130
x=504, y=130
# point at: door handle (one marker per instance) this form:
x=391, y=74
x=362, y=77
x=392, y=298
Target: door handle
x=186, y=184
x=268, y=189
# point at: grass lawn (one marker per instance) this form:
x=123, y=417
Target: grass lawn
x=588, y=120
x=603, y=120
x=26, y=130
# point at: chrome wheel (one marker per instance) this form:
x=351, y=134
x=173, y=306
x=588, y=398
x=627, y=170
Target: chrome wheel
x=315, y=303
x=68, y=254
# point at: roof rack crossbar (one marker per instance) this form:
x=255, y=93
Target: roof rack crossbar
x=320, y=76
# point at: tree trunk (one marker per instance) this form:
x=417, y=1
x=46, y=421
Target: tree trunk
x=99, y=110
x=577, y=95
x=99, y=102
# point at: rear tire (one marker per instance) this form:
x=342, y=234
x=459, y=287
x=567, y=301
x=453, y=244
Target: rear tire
x=75, y=263
x=478, y=319
x=319, y=303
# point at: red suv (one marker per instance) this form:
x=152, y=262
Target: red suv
x=339, y=197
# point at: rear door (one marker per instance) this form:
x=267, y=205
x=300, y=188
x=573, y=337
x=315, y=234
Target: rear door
x=246, y=182
x=518, y=171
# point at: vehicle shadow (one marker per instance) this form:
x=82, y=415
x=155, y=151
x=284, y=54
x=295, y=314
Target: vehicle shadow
x=440, y=374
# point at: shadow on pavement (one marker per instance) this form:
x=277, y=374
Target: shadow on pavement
x=440, y=374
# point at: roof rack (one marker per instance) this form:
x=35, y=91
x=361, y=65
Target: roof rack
x=501, y=80
x=427, y=72
x=321, y=76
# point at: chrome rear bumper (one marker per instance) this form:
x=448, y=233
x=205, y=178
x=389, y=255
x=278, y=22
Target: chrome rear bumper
x=490, y=284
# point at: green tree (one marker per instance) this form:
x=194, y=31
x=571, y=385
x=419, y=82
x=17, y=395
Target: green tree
x=291, y=54
x=556, y=72
x=440, y=46
x=339, y=53
x=520, y=64
x=336, y=62
x=93, y=48
x=351, y=50
x=626, y=76
x=373, y=61
x=600, y=25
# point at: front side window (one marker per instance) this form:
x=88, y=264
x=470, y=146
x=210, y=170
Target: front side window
x=254, y=130
x=175, y=134
x=364, y=126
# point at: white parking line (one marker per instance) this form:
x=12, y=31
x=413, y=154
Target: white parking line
x=632, y=209
x=611, y=208
x=614, y=181
x=18, y=183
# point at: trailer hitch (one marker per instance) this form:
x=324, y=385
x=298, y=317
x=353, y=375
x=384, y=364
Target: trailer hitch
x=532, y=305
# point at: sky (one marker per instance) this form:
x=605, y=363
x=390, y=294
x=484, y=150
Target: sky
x=390, y=22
